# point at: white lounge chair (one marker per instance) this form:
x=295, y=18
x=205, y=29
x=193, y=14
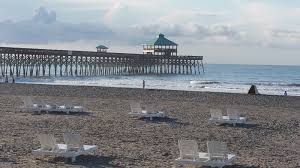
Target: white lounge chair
x=45, y=107
x=231, y=118
x=189, y=154
x=74, y=146
x=68, y=107
x=137, y=111
x=51, y=107
x=216, y=116
x=38, y=105
x=71, y=149
x=234, y=117
x=29, y=106
x=217, y=155
x=48, y=145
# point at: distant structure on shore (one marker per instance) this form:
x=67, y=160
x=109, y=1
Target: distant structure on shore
x=253, y=90
x=158, y=57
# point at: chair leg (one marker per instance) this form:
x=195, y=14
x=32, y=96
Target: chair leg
x=73, y=159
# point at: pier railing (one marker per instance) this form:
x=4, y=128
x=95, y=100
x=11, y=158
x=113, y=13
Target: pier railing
x=43, y=62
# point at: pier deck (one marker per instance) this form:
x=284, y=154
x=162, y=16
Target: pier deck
x=28, y=62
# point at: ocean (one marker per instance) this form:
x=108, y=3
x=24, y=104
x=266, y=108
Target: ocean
x=270, y=80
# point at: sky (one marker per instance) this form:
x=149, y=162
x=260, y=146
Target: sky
x=223, y=31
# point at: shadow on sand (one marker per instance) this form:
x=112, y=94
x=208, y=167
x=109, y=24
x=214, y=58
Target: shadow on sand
x=63, y=113
x=249, y=126
x=6, y=160
x=90, y=161
x=235, y=166
x=171, y=121
x=241, y=166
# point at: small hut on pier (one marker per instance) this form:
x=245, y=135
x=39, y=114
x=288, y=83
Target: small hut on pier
x=102, y=48
x=160, y=46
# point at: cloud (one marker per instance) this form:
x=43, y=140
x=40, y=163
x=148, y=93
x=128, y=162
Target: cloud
x=187, y=25
x=117, y=14
x=44, y=16
x=292, y=35
x=184, y=16
x=44, y=28
x=105, y=3
x=217, y=33
x=279, y=38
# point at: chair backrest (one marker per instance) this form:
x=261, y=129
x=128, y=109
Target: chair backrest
x=27, y=101
x=48, y=142
x=216, y=113
x=150, y=109
x=73, y=141
x=51, y=104
x=188, y=149
x=135, y=107
x=233, y=114
x=68, y=103
x=39, y=102
x=217, y=150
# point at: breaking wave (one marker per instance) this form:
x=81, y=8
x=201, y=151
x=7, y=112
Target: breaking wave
x=275, y=84
x=204, y=82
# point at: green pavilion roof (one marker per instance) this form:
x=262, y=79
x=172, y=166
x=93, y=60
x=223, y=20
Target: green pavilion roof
x=161, y=41
x=101, y=47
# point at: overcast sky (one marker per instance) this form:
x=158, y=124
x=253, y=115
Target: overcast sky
x=223, y=31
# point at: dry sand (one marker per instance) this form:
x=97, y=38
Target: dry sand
x=272, y=139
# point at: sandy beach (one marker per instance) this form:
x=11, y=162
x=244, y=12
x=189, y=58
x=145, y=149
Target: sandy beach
x=271, y=139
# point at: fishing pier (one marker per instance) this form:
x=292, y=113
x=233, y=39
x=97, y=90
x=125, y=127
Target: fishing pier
x=29, y=62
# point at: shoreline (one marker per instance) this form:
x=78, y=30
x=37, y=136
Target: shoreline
x=241, y=88
x=147, y=94
x=271, y=138
x=151, y=89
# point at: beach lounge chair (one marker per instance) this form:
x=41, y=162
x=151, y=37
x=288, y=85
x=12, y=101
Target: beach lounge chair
x=74, y=146
x=48, y=145
x=217, y=117
x=50, y=107
x=68, y=107
x=234, y=117
x=149, y=112
x=29, y=106
x=217, y=155
x=38, y=105
x=43, y=106
x=231, y=118
x=71, y=149
x=153, y=113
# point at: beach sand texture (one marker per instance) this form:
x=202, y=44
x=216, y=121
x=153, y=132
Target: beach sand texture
x=272, y=139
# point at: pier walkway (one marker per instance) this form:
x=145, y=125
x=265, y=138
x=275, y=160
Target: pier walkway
x=28, y=62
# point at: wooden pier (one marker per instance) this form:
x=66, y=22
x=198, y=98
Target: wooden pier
x=28, y=62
